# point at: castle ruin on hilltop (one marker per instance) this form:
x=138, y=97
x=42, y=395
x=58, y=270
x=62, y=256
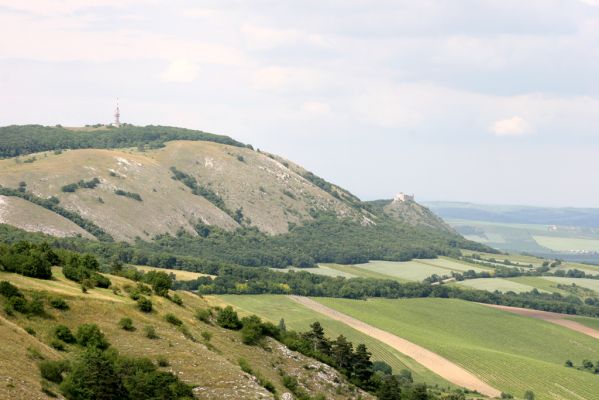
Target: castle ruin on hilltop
x=402, y=198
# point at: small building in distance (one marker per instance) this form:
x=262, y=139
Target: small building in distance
x=402, y=197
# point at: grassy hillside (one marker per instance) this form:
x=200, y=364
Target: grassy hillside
x=508, y=351
x=210, y=366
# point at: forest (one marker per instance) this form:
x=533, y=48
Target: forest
x=17, y=140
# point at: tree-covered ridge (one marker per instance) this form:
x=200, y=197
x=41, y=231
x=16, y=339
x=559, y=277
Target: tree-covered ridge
x=16, y=140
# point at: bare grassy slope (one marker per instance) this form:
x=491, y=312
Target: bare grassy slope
x=270, y=193
x=31, y=217
x=212, y=369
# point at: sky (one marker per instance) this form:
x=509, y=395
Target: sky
x=489, y=101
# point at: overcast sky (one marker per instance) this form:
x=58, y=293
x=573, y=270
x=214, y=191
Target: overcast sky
x=474, y=100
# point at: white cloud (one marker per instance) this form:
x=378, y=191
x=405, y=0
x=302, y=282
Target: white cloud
x=316, y=107
x=514, y=126
x=281, y=78
x=591, y=2
x=181, y=70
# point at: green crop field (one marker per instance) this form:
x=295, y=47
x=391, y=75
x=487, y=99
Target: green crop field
x=592, y=284
x=415, y=270
x=493, y=284
x=322, y=269
x=511, y=352
x=559, y=243
x=539, y=282
x=298, y=317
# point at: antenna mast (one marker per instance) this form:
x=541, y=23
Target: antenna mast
x=117, y=115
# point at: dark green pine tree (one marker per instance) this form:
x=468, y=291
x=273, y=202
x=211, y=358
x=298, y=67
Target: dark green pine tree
x=362, y=366
x=342, y=353
x=320, y=343
x=389, y=389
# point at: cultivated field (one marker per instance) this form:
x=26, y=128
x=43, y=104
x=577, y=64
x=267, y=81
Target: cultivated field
x=180, y=275
x=508, y=351
x=298, y=317
x=592, y=284
x=558, y=243
x=493, y=284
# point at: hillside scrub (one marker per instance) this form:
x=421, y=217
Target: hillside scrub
x=72, y=187
x=18, y=140
x=29, y=259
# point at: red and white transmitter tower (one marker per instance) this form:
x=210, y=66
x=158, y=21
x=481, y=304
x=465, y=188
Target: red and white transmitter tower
x=117, y=115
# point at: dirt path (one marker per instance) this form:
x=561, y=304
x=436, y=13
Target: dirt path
x=555, y=318
x=439, y=365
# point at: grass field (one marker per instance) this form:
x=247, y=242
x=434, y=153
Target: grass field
x=510, y=352
x=298, y=317
x=322, y=269
x=567, y=244
x=538, y=282
x=592, y=284
x=493, y=284
x=179, y=274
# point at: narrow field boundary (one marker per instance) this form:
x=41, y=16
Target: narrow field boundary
x=555, y=318
x=434, y=362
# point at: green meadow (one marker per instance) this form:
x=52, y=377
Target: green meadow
x=493, y=284
x=511, y=352
x=298, y=317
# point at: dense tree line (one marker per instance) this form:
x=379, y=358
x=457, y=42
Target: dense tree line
x=326, y=239
x=18, y=140
x=29, y=259
x=200, y=190
x=235, y=279
x=52, y=205
x=72, y=187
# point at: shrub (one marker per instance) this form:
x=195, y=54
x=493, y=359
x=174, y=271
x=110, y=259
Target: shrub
x=9, y=290
x=30, y=330
x=63, y=333
x=18, y=304
x=177, y=299
x=57, y=344
x=251, y=332
x=53, y=370
x=58, y=303
x=89, y=335
x=150, y=332
x=100, y=281
x=36, y=305
x=144, y=304
x=162, y=361
x=245, y=366
x=173, y=320
x=227, y=318
x=126, y=324
x=203, y=315
x=206, y=336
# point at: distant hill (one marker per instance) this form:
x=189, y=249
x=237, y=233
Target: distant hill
x=568, y=233
x=584, y=217
x=408, y=211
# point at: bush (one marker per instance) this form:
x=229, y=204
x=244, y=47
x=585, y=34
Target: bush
x=9, y=290
x=206, y=336
x=126, y=324
x=63, y=333
x=245, y=366
x=203, y=315
x=227, y=318
x=150, y=332
x=57, y=344
x=30, y=330
x=89, y=335
x=18, y=304
x=53, y=370
x=162, y=361
x=58, y=303
x=173, y=320
x=251, y=332
x=36, y=305
x=177, y=299
x=144, y=304
x=100, y=281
